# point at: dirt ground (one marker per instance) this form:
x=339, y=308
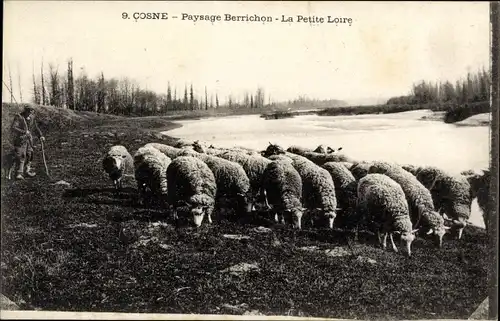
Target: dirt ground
x=62, y=248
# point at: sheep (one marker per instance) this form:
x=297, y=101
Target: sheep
x=383, y=201
x=201, y=148
x=151, y=173
x=359, y=170
x=411, y=168
x=347, y=165
x=253, y=165
x=211, y=150
x=480, y=188
x=280, y=157
x=345, y=191
x=299, y=149
x=142, y=152
x=233, y=184
x=320, y=149
x=180, y=143
x=116, y=162
x=319, y=158
x=191, y=188
x=451, y=194
x=171, y=152
x=273, y=149
x=282, y=189
x=326, y=149
x=318, y=190
x=419, y=199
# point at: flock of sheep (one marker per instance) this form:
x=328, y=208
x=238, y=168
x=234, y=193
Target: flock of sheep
x=298, y=186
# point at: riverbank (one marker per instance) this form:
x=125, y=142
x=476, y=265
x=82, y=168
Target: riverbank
x=476, y=120
x=62, y=249
x=452, y=112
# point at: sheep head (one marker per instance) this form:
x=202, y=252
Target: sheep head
x=439, y=233
x=273, y=149
x=198, y=147
x=295, y=216
x=112, y=164
x=407, y=238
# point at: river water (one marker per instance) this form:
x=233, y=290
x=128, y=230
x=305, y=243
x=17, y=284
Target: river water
x=401, y=137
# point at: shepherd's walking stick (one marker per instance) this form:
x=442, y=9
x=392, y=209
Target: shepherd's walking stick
x=44, y=161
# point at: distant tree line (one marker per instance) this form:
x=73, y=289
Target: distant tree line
x=474, y=88
x=126, y=97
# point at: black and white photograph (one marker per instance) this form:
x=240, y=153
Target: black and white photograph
x=249, y=160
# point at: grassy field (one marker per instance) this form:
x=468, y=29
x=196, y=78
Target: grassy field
x=62, y=250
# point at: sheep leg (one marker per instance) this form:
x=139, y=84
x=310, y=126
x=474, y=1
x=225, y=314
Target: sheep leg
x=265, y=199
x=209, y=216
x=311, y=218
x=356, y=230
x=250, y=206
x=392, y=243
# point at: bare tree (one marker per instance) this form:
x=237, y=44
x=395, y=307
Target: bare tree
x=71, y=85
x=44, y=98
x=191, y=97
x=11, y=87
x=19, y=84
x=36, y=91
x=55, y=94
x=185, y=97
x=101, y=94
x=206, y=98
x=259, y=97
x=169, y=104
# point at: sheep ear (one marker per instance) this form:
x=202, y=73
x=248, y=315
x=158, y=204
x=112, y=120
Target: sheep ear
x=414, y=231
x=397, y=232
x=447, y=228
x=338, y=209
x=430, y=231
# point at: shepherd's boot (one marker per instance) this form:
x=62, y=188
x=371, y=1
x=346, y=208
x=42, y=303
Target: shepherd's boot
x=28, y=170
x=20, y=169
x=9, y=172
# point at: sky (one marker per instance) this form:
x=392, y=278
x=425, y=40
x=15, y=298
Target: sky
x=387, y=47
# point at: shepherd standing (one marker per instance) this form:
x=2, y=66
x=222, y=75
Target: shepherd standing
x=21, y=133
